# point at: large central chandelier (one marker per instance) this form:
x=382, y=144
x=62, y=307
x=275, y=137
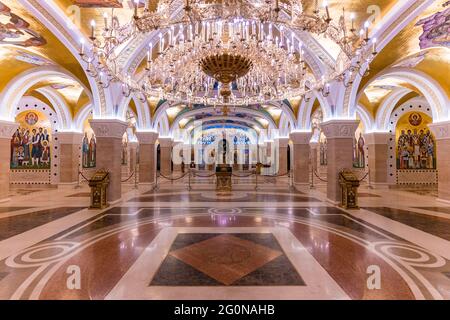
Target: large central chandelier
x=220, y=52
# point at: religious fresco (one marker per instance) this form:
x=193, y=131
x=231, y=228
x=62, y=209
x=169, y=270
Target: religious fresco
x=30, y=144
x=359, y=151
x=416, y=145
x=89, y=147
x=129, y=135
x=436, y=29
x=14, y=30
x=319, y=136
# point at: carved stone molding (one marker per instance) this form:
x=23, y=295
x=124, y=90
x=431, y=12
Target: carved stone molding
x=108, y=128
x=147, y=137
x=165, y=142
x=69, y=137
x=7, y=129
x=377, y=138
x=336, y=129
x=441, y=130
x=300, y=137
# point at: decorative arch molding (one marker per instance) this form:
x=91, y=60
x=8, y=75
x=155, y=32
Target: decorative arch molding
x=162, y=126
x=286, y=111
x=365, y=117
x=430, y=89
x=160, y=112
x=402, y=13
x=419, y=104
x=305, y=111
x=18, y=86
x=82, y=116
x=284, y=127
x=219, y=118
x=387, y=106
x=59, y=104
x=55, y=20
x=143, y=111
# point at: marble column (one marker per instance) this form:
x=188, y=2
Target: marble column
x=282, y=144
x=314, y=147
x=177, y=147
x=300, y=159
x=132, y=149
x=165, y=145
x=69, y=156
x=147, y=157
x=340, y=135
x=7, y=129
x=109, y=133
x=377, y=143
x=441, y=132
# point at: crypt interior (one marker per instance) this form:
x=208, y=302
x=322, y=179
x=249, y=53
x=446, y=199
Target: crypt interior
x=282, y=149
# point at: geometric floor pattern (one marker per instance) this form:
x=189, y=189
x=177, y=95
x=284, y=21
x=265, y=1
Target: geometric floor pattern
x=226, y=259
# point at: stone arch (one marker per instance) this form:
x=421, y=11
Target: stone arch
x=387, y=106
x=62, y=110
x=17, y=87
x=430, y=89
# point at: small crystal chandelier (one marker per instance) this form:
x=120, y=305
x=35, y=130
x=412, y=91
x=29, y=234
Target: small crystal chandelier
x=227, y=52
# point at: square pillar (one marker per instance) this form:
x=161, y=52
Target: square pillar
x=132, y=149
x=300, y=158
x=340, y=135
x=282, y=150
x=147, y=157
x=165, y=145
x=69, y=156
x=109, y=135
x=441, y=131
x=7, y=130
x=377, y=143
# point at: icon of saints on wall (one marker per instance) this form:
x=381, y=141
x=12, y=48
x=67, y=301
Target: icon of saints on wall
x=31, y=143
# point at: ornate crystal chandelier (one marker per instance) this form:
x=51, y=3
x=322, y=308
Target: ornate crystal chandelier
x=227, y=52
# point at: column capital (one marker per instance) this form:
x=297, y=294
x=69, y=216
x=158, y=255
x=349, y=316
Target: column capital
x=7, y=129
x=441, y=130
x=165, y=142
x=300, y=137
x=377, y=137
x=147, y=137
x=108, y=128
x=69, y=137
x=339, y=128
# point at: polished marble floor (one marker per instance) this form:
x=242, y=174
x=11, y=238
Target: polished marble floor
x=273, y=242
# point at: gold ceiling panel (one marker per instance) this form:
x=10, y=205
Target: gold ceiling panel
x=26, y=43
x=405, y=51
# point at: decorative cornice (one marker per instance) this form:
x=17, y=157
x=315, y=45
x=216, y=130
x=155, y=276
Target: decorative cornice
x=335, y=129
x=69, y=137
x=108, y=128
x=300, y=137
x=377, y=138
x=441, y=130
x=147, y=137
x=7, y=129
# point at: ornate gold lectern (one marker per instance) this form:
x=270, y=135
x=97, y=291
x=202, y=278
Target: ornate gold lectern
x=99, y=185
x=349, y=189
x=223, y=177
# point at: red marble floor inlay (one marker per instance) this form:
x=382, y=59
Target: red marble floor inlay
x=226, y=258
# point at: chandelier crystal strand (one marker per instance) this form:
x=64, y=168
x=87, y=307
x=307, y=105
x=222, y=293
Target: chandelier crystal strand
x=250, y=45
